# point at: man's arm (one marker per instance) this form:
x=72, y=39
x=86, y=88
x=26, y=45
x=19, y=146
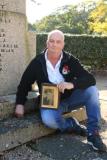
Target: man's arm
x=83, y=78
x=28, y=78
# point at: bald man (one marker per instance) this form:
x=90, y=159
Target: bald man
x=76, y=86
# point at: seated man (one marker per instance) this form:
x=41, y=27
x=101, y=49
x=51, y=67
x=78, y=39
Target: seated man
x=77, y=87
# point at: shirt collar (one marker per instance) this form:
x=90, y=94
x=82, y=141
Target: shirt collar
x=46, y=57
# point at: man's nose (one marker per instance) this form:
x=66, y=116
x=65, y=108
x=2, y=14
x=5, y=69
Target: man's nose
x=55, y=44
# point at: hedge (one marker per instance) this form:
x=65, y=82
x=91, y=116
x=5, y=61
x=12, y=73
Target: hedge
x=91, y=50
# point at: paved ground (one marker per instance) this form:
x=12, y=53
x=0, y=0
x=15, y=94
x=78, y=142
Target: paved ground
x=64, y=146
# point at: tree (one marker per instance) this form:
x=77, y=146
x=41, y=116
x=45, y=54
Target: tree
x=69, y=19
x=98, y=18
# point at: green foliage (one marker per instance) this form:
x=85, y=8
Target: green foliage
x=98, y=18
x=86, y=18
x=69, y=19
x=31, y=27
x=91, y=50
x=86, y=46
x=40, y=42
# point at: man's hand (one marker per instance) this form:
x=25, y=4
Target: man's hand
x=65, y=85
x=19, y=111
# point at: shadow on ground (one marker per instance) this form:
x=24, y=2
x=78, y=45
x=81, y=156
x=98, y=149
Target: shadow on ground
x=66, y=147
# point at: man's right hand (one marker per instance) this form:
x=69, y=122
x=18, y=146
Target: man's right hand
x=19, y=111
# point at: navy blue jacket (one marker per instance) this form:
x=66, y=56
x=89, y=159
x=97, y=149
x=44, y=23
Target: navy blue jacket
x=70, y=68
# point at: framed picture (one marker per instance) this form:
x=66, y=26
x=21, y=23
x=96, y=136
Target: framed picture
x=49, y=96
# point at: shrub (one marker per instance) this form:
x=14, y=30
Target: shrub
x=91, y=50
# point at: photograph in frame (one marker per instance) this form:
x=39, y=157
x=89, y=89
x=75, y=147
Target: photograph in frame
x=49, y=96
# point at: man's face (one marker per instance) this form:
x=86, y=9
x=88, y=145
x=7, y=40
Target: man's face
x=55, y=44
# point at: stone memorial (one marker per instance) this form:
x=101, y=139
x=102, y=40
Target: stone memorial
x=17, y=45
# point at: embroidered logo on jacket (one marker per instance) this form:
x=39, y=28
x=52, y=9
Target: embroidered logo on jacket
x=65, y=69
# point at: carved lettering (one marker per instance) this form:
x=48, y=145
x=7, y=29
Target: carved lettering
x=4, y=40
x=3, y=14
x=2, y=50
x=5, y=46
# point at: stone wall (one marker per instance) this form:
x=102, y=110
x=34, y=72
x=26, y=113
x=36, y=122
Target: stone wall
x=15, y=41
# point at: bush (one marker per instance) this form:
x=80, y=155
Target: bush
x=91, y=50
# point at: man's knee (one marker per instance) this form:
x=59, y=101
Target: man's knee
x=91, y=92
x=49, y=119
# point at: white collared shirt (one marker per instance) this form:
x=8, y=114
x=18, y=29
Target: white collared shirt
x=54, y=74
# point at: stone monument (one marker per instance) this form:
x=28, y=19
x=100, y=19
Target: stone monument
x=17, y=45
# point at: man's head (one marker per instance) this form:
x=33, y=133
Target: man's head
x=55, y=42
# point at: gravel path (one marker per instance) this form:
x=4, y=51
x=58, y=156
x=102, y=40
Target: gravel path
x=24, y=153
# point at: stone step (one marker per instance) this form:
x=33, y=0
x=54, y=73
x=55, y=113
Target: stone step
x=7, y=104
x=7, y=107
x=17, y=131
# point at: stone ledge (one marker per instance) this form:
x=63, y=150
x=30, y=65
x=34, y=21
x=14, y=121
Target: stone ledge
x=17, y=131
x=14, y=131
x=7, y=104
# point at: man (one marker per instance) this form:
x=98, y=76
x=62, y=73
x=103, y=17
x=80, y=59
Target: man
x=77, y=87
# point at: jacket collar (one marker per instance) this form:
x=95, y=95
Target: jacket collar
x=65, y=58
x=43, y=62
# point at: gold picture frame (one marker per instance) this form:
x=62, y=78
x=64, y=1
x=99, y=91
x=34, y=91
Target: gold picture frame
x=49, y=96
